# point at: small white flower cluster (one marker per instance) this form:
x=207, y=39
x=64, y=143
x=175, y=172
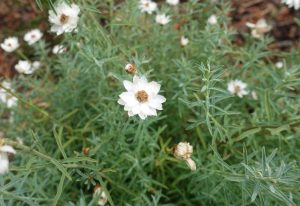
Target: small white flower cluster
x=5, y=151
x=259, y=28
x=5, y=97
x=184, y=151
x=26, y=67
x=64, y=19
x=292, y=3
x=10, y=44
x=149, y=6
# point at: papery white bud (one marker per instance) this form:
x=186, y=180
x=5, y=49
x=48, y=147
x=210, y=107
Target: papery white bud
x=183, y=150
x=184, y=41
x=99, y=193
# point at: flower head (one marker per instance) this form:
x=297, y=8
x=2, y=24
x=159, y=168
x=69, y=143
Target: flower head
x=141, y=97
x=36, y=65
x=5, y=150
x=162, y=19
x=212, y=19
x=33, y=36
x=147, y=6
x=184, y=151
x=58, y=49
x=173, y=2
x=184, y=41
x=279, y=65
x=292, y=3
x=259, y=29
x=64, y=19
x=10, y=44
x=237, y=87
x=130, y=69
x=6, y=97
x=99, y=193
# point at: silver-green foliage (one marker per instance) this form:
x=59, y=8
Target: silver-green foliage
x=131, y=158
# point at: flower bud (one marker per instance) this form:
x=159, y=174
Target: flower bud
x=99, y=193
x=86, y=151
x=183, y=150
x=130, y=69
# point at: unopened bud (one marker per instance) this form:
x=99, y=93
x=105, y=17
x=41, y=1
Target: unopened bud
x=130, y=69
x=184, y=151
x=86, y=151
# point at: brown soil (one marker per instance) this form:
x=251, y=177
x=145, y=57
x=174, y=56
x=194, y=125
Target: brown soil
x=285, y=31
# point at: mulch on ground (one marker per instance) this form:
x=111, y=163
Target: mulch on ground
x=285, y=30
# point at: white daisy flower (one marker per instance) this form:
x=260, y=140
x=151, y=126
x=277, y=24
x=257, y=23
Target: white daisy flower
x=162, y=19
x=279, y=65
x=212, y=19
x=10, y=44
x=99, y=193
x=184, y=151
x=147, y=6
x=7, y=98
x=58, y=49
x=259, y=29
x=64, y=18
x=184, y=41
x=173, y=2
x=33, y=36
x=5, y=150
x=292, y=3
x=237, y=87
x=141, y=97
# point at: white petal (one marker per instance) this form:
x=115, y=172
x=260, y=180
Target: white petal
x=148, y=110
x=128, y=85
x=142, y=116
x=191, y=164
x=154, y=87
x=129, y=98
x=7, y=149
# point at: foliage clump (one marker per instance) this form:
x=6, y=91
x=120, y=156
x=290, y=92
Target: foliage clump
x=72, y=136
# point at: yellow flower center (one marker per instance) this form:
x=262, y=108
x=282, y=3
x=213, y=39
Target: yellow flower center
x=64, y=19
x=142, y=96
x=237, y=89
